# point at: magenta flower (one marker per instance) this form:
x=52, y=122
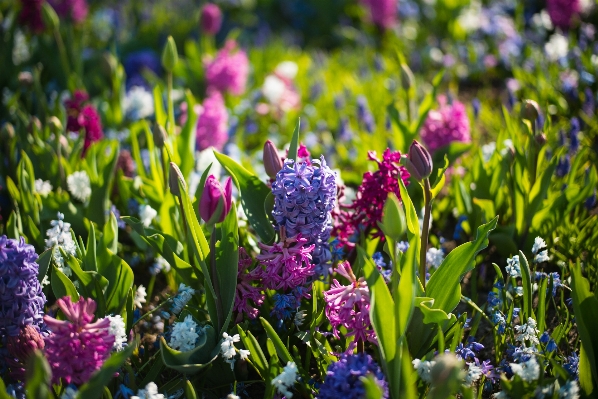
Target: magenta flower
x=31, y=15
x=212, y=124
x=349, y=306
x=77, y=347
x=20, y=348
x=93, y=126
x=287, y=264
x=75, y=9
x=229, y=70
x=212, y=194
x=383, y=13
x=73, y=106
x=210, y=19
x=562, y=12
x=245, y=290
x=447, y=124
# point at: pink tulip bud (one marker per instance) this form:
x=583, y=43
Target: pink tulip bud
x=419, y=162
x=213, y=195
x=210, y=19
x=272, y=161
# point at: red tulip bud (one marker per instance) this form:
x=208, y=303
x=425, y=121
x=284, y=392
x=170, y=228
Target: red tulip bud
x=215, y=201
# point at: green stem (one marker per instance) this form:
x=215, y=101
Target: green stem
x=63, y=56
x=214, y=273
x=425, y=231
x=171, y=123
x=150, y=286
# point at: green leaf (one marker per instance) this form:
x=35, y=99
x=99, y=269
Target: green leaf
x=526, y=282
x=256, y=355
x=372, y=389
x=281, y=348
x=110, y=236
x=186, y=139
x=445, y=284
x=253, y=196
x=189, y=390
x=227, y=264
x=190, y=362
x=101, y=187
x=62, y=286
x=38, y=377
x=120, y=280
x=295, y=142
x=93, y=389
x=90, y=258
x=44, y=263
x=405, y=294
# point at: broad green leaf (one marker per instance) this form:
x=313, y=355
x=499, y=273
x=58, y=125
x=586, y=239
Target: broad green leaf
x=410, y=212
x=44, y=261
x=405, y=295
x=90, y=258
x=393, y=218
x=526, y=282
x=159, y=106
x=38, y=376
x=110, y=237
x=62, y=286
x=295, y=141
x=256, y=355
x=227, y=265
x=445, y=284
x=120, y=280
x=253, y=196
x=280, y=347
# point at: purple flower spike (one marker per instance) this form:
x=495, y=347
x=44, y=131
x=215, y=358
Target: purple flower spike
x=343, y=378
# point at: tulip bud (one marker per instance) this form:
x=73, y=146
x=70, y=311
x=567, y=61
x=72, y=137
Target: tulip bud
x=50, y=17
x=540, y=139
x=530, y=110
x=8, y=132
x=272, y=161
x=407, y=78
x=55, y=124
x=160, y=135
x=393, y=222
x=215, y=202
x=170, y=56
x=174, y=177
x=419, y=161
x=210, y=19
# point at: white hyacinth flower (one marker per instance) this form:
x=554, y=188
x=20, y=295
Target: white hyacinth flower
x=43, y=187
x=227, y=348
x=528, y=332
x=528, y=371
x=424, y=369
x=140, y=295
x=434, y=257
x=138, y=103
x=488, y=150
x=557, y=47
x=117, y=329
x=474, y=373
x=160, y=264
x=79, y=185
x=570, y=390
x=513, y=266
x=150, y=392
x=60, y=236
x=539, y=244
x=285, y=381
x=147, y=214
x=184, y=334
x=244, y=354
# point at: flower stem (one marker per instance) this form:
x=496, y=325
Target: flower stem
x=425, y=232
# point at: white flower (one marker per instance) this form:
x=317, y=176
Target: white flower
x=117, y=329
x=287, y=69
x=500, y=395
x=299, y=318
x=160, y=264
x=232, y=396
x=20, y=50
x=528, y=371
x=60, y=236
x=528, y=332
x=273, y=89
x=45, y=281
x=286, y=380
x=519, y=291
x=542, y=257
x=150, y=392
x=470, y=18
x=184, y=334
x=539, y=243
x=473, y=374
x=138, y=103
x=79, y=185
x=570, y=390
x=424, y=369
x=43, y=187
x=542, y=20
x=244, y=354
x=488, y=150
x=557, y=47
x=227, y=348
x=69, y=393
x=434, y=257
x=140, y=295
x=513, y=268
x=147, y=214
x=182, y=298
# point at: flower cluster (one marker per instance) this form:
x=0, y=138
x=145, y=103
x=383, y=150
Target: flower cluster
x=212, y=124
x=20, y=347
x=60, y=236
x=285, y=380
x=344, y=377
x=117, y=330
x=77, y=347
x=562, y=12
x=81, y=116
x=540, y=251
x=150, y=392
x=279, y=90
x=246, y=292
x=74, y=9
x=79, y=185
x=21, y=298
x=348, y=306
x=383, y=13
x=228, y=350
x=181, y=299
x=304, y=197
x=229, y=70
x=138, y=103
x=447, y=124
x=184, y=334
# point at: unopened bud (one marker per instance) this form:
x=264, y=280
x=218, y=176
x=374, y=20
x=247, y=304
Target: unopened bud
x=530, y=110
x=8, y=132
x=160, y=135
x=55, y=124
x=25, y=78
x=216, y=201
x=419, y=161
x=50, y=17
x=272, y=161
x=174, y=177
x=170, y=56
x=540, y=139
x=407, y=78
x=35, y=122
x=28, y=340
x=210, y=19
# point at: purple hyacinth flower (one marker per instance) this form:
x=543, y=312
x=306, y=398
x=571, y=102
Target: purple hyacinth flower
x=343, y=378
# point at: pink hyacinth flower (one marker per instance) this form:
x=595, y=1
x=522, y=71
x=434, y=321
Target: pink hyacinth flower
x=383, y=13
x=77, y=347
x=246, y=292
x=229, y=70
x=210, y=19
x=445, y=125
x=212, y=124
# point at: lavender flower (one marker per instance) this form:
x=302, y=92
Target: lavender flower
x=21, y=298
x=343, y=378
x=304, y=197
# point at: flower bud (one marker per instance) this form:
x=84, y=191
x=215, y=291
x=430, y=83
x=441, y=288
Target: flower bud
x=215, y=202
x=160, y=135
x=530, y=110
x=173, y=179
x=25, y=78
x=28, y=340
x=272, y=161
x=170, y=56
x=419, y=161
x=50, y=17
x=540, y=139
x=55, y=124
x=8, y=132
x=210, y=19
x=407, y=78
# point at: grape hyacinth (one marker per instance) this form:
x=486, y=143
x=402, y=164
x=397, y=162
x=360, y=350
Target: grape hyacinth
x=304, y=197
x=343, y=378
x=445, y=125
x=349, y=306
x=21, y=298
x=77, y=347
x=246, y=292
x=229, y=70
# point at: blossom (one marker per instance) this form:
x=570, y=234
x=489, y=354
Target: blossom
x=562, y=12
x=383, y=13
x=539, y=244
x=244, y=354
x=474, y=373
x=31, y=15
x=60, y=235
x=434, y=257
x=160, y=264
x=140, y=295
x=184, y=334
x=79, y=185
x=445, y=125
x=76, y=10
x=572, y=365
x=540, y=251
x=210, y=19
x=424, y=369
x=227, y=348
x=150, y=392
x=513, y=267
x=344, y=377
x=90, y=120
x=287, y=264
x=117, y=330
x=138, y=62
x=21, y=298
x=77, y=347
x=299, y=318
x=212, y=124
x=488, y=150
x=125, y=163
x=229, y=70
x=528, y=332
x=570, y=390
x=73, y=106
x=349, y=306
x=43, y=187
x=557, y=47
x=278, y=88
x=529, y=371
x=147, y=214
x=285, y=380
x=20, y=347
x=364, y=115
x=138, y=103
x=213, y=196
x=246, y=292
x=181, y=299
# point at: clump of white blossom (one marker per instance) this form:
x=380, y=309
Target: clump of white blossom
x=43, y=187
x=150, y=392
x=140, y=295
x=285, y=381
x=59, y=236
x=513, y=267
x=424, y=369
x=147, y=214
x=184, y=334
x=117, y=329
x=79, y=185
